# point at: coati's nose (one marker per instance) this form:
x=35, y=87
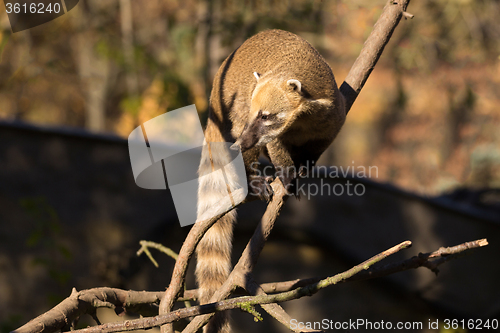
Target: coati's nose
x=235, y=146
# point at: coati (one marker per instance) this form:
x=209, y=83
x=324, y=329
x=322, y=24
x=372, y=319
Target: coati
x=275, y=95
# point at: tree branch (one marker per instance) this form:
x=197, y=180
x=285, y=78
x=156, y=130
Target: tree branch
x=86, y=301
x=372, y=50
x=353, y=84
x=145, y=245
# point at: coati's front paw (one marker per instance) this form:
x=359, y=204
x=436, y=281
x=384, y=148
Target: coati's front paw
x=260, y=186
x=291, y=186
x=288, y=178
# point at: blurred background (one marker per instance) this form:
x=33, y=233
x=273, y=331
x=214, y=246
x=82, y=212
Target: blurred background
x=73, y=89
x=426, y=117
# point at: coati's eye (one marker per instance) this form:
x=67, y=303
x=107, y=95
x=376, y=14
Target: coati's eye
x=264, y=115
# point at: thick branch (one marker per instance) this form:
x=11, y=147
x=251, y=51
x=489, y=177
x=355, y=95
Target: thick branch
x=86, y=301
x=372, y=50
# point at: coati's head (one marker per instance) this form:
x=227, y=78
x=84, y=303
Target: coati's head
x=276, y=104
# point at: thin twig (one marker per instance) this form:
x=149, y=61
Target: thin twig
x=145, y=245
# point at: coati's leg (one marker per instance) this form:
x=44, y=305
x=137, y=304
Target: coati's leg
x=283, y=163
x=258, y=184
x=292, y=162
x=306, y=156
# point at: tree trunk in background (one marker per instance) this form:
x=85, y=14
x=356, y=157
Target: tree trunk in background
x=215, y=51
x=20, y=62
x=201, y=82
x=128, y=47
x=93, y=70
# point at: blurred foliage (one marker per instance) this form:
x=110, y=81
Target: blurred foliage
x=45, y=240
x=10, y=323
x=429, y=104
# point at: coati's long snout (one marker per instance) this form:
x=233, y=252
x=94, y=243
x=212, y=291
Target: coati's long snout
x=248, y=138
x=275, y=105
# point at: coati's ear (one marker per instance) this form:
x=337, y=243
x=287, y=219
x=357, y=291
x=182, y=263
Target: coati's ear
x=257, y=75
x=295, y=85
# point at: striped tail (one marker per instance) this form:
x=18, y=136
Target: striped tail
x=213, y=267
x=214, y=250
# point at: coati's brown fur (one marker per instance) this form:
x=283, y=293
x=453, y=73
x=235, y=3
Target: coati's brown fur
x=274, y=94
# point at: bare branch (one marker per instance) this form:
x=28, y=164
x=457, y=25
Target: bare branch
x=145, y=245
x=422, y=260
x=86, y=301
x=274, y=309
x=372, y=50
x=445, y=251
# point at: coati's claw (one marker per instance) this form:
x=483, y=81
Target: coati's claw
x=289, y=181
x=261, y=187
x=292, y=188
